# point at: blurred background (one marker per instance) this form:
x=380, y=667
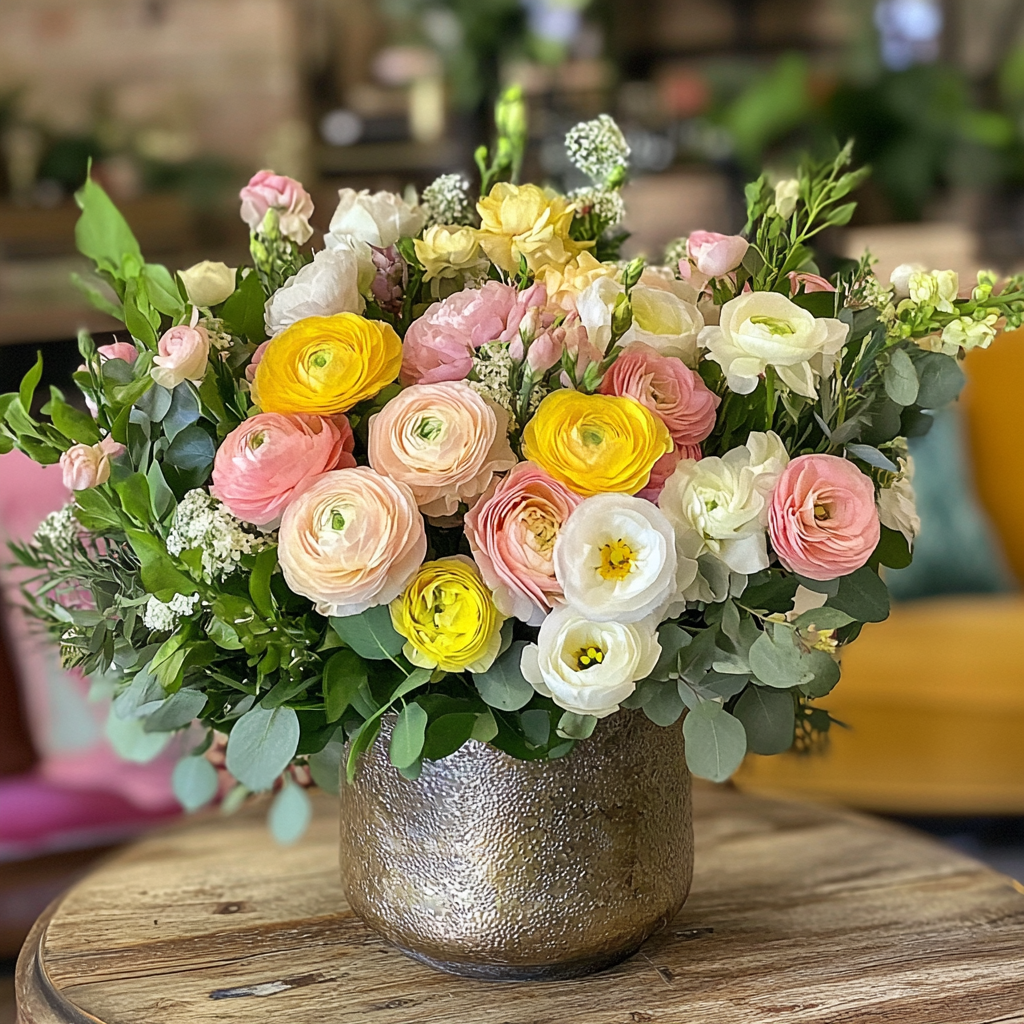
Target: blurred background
x=177, y=102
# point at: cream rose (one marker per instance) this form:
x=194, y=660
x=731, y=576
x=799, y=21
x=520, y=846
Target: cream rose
x=664, y=321
x=351, y=540
x=328, y=285
x=208, y=283
x=587, y=667
x=761, y=329
x=88, y=465
x=379, y=219
x=615, y=558
x=444, y=441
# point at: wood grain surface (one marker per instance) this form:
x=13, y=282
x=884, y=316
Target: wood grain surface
x=798, y=914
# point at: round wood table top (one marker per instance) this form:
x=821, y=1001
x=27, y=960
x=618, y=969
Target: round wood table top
x=798, y=914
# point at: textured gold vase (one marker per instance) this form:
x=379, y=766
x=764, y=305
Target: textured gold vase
x=492, y=867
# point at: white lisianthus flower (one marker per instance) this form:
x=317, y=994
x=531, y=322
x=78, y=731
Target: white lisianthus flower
x=587, y=667
x=719, y=506
x=665, y=321
x=900, y=278
x=328, y=285
x=938, y=288
x=615, y=559
x=762, y=329
x=897, y=503
x=208, y=283
x=379, y=219
x=787, y=192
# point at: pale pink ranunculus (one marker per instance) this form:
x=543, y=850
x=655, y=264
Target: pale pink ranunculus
x=715, y=254
x=269, y=191
x=265, y=461
x=512, y=532
x=440, y=344
x=88, y=465
x=351, y=540
x=257, y=358
x=443, y=441
x=182, y=354
x=668, y=387
x=822, y=519
x=118, y=350
x=808, y=283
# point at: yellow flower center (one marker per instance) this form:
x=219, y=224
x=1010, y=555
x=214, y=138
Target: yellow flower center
x=541, y=530
x=617, y=559
x=821, y=513
x=588, y=657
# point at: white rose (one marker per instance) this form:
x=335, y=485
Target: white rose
x=900, y=278
x=666, y=322
x=587, y=667
x=897, y=504
x=787, y=192
x=380, y=219
x=328, y=285
x=719, y=506
x=208, y=283
x=615, y=559
x=762, y=329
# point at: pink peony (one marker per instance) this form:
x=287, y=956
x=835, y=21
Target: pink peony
x=714, y=254
x=668, y=387
x=440, y=344
x=88, y=465
x=182, y=355
x=269, y=191
x=808, y=282
x=265, y=461
x=512, y=532
x=822, y=519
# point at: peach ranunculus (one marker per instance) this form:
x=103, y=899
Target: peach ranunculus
x=182, y=354
x=444, y=441
x=269, y=191
x=822, y=520
x=715, y=254
x=668, y=387
x=512, y=532
x=88, y=465
x=262, y=463
x=351, y=540
x=440, y=344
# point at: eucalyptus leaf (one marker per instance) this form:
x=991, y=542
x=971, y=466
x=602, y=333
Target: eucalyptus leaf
x=370, y=634
x=194, y=781
x=325, y=766
x=715, y=741
x=862, y=595
x=261, y=745
x=768, y=719
x=446, y=734
x=536, y=725
x=576, y=727
x=900, y=378
x=182, y=412
x=663, y=705
x=502, y=686
x=176, y=712
x=873, y=457
x=290, y=814
x=776, y=659
x=344, y=673
x=155, y=403
x=191, y=449
x=672, y=640
x=822, y=618
x=941, y=380
x=408, y=735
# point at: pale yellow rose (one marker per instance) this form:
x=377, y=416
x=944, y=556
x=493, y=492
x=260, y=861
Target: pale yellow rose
x=208, y=283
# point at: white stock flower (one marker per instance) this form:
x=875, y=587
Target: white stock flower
x=615, y=559
x=897, y=503
x=762, y=329
x=900, y=278
x=665, y=321
x=379, y=219
x=938, y=288
x=587, y=667
x=719, y=506
x=208, y=283
x=965, y=332
x=787, y=192
x=328, y=285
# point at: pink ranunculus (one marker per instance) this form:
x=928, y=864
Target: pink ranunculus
x=118, y=350
x=269, y=191
x=668, y=387
x=664, y=468
x=88, y=465
x=183, y=353
x=715, y=254
x=264, y=462
x=512, y=532
x=257, y=358
x=808, y=282
x=440, y=344
x=822, y=519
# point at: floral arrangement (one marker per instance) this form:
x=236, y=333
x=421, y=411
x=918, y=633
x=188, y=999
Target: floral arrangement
x=484, y=476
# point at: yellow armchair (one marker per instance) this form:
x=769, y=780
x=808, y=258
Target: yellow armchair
x=934, y=696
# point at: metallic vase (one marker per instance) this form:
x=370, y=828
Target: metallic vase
x=491, y=867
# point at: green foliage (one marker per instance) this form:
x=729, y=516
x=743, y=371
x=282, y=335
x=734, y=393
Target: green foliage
x=370, y=634
x=715, y=741
x=502, y=686
x=261, y=745
x=767, y=717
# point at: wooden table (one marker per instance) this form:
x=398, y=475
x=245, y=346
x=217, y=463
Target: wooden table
x=798, y=914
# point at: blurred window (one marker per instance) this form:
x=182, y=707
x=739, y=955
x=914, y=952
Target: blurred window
x=909, y=30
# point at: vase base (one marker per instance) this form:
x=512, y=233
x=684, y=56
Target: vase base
x=561, y=971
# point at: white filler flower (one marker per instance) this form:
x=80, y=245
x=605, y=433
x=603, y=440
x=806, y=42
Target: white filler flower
x=615, y=558
x=201, y=521
x=587, y=667
x=762, y=329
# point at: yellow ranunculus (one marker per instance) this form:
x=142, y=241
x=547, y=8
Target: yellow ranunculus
x=595, y=444
x=448, y=617
x=564, y=283
x=527, y=221
x=447, y=251
x=324, y=365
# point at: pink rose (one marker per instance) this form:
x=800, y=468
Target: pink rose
x=257, y=358
x=440, y=344
x=443, y=441
x=512, y=532
x=182, y=355
x=88, y=465
x=822, y=519
x=668, y=387
x=269, y=191
x=809, y=283
x=265, y=461
x=714, y=254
